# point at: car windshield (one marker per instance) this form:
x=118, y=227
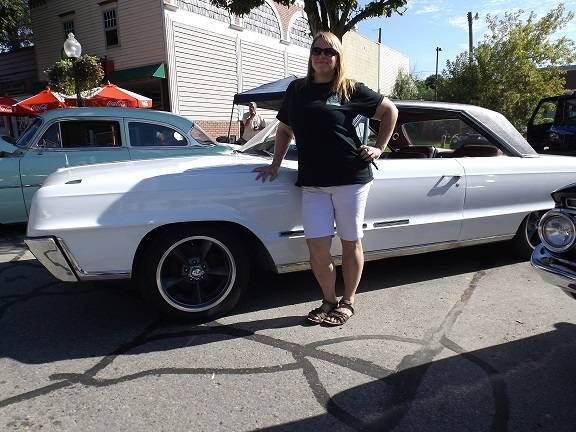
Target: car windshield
x=200, y=137
x=256, y=142
x=262, y=143
x=25, y=138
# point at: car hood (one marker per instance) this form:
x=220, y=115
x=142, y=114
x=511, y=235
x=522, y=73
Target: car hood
x=120, y=175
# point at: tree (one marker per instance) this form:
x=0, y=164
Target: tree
x=15, y=31
x=405, y=86
x=336, y=16
x=425, y=90
x=516, y=64
x=88, y=68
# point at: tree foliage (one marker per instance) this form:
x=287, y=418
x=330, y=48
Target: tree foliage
x=15, y=31
x=516, y=64
x=405, y=86
x=408, y=86
x=337, y=16
x=88, y=68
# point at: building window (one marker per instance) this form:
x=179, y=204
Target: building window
x=204, y=7
x=300, y=33
x=263, y=20
x=68, y=27
x=111, y=27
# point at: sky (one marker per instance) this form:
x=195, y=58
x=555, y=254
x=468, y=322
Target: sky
x=427, y=24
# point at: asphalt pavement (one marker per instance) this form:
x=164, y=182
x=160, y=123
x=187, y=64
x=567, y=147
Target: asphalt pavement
x=464, y=340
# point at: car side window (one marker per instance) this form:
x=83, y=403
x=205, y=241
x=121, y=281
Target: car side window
x=91, y=133
x=446, y=133
x=570, y=111
x=545, y=113
x=154, y=135
x=440, y=138
x=51, y=138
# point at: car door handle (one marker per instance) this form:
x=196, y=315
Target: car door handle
x=456, y=176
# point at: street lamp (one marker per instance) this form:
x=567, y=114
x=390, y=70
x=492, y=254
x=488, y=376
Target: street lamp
x=73, y=50
x=469, y=16
x=438, y=49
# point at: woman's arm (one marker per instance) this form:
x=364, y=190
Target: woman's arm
x=284, y=135
x=386, y=114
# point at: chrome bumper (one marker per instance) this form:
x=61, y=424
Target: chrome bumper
x=554, y=270
x=48, y=251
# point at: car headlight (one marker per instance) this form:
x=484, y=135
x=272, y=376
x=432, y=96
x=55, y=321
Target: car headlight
x=557, y=231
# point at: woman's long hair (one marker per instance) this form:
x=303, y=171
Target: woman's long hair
x=341, y=85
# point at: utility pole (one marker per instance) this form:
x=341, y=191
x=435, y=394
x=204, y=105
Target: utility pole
x=379, y=49
x=438, y=49
x=470, y=45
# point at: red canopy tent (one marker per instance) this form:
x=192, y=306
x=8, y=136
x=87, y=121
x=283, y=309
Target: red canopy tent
x=6, y=105
x=113, y=96
x=40, y=102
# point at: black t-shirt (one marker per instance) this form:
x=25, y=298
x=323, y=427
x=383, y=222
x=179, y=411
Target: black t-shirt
x=325, y=136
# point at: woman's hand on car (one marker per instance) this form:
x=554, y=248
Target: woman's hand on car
x=269, y=171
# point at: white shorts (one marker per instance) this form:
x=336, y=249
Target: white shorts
x=345, y=205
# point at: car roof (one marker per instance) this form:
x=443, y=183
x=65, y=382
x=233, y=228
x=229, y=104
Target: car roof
x=491, y=120
x=135, y=113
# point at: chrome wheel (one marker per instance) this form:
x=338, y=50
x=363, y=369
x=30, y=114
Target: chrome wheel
x=531, y=229
x=196, y=274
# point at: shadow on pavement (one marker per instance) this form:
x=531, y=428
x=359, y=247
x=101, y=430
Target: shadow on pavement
x=523, y=386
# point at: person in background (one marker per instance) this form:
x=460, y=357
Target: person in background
x=334, y=168
x=252, y=122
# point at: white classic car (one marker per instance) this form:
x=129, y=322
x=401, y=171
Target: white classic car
x=190, y=230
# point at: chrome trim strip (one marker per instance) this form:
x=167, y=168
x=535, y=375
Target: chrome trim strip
x=10, y=187
x=32, y=185
x=298, y=233
x=105, y=275
x=89, y=276
x=391, y=223
x=402, y=251
x=47, y=252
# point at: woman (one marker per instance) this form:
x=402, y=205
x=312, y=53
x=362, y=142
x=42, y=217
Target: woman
x=333, y=167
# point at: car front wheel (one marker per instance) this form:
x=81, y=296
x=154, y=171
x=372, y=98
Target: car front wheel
x=193, y=273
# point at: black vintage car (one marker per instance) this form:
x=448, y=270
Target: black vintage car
x=552, y=127
x=555, y=257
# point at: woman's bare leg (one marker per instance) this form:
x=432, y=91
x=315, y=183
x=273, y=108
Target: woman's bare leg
x=323, y=266
x=352, y=265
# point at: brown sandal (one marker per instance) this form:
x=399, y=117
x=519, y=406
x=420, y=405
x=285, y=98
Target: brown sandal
x=317, y=316
x=339, y=315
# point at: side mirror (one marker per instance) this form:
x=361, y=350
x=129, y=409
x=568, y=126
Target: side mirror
x=222, y=139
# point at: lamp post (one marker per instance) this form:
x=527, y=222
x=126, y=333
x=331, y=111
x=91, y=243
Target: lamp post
x=438, y=49
x=73, y=50
x=469, y=16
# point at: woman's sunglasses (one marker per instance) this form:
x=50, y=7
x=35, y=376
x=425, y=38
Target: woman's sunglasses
x=330, y=52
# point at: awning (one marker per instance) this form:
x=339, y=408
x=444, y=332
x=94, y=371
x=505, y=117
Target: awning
x=155, y=70
x=267, y=96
